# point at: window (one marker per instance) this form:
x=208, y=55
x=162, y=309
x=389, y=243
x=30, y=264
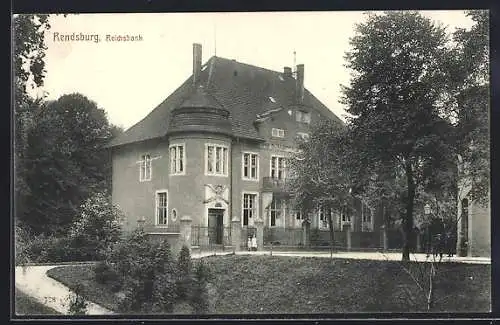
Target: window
x=299, y=218
x=249, y=208
x=302, y=135
x=278, y=133
x=366, y=217
x=303, y=117
x=250, y=166
x=345, y=216
x=366, y=214
x=161, y=208
x=277, y=213
x=177, y=159
x=323, y=218
x=217, y=160
x=145, y=170
x=277, y=167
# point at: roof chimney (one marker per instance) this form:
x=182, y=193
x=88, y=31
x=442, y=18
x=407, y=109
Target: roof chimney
x=299, y=83
x=196, y=62
x=287, y=71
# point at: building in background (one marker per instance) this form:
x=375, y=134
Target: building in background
x=216, y=150
x=473, y=220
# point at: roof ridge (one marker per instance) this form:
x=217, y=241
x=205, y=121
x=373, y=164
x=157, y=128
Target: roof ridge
x=248, y=64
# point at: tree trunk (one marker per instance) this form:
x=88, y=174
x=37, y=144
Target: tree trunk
x=408, y=218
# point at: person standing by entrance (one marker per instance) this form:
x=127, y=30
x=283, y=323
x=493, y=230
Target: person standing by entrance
x=254, y=243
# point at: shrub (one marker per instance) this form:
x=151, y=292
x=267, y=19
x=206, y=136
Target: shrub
x=47, y=249
x=200, y=296
x=185, y=277
x=51, y=249
x=97, y=227
x=148, y=272
x=61, y=250
x=152, y=281
x=105, y=274
x=77, y=304
x=164, y=291
x=22, y=245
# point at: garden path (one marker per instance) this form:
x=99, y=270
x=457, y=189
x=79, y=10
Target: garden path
x=33, y=279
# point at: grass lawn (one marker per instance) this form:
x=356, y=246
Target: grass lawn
x=25, y=305
x=278, y=284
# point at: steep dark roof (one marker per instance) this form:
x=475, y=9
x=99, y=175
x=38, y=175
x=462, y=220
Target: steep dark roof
x=200, y=113
x=201, y=98
x=243, y=90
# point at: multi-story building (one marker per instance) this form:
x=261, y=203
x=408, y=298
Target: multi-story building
x=216, y=150
x=473, y=219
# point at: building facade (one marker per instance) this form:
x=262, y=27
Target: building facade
x=216, y=150
x=473, y=220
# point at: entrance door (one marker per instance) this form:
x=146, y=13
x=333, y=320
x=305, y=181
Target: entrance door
x=216, y=225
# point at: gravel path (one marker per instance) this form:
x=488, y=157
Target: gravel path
x=33, y=281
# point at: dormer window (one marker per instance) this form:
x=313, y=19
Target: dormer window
x=278, y=133
x=303, y=117
x=272, y=99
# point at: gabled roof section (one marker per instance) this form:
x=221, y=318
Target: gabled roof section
x=245, y=91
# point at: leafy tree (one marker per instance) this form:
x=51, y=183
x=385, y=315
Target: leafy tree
x=65, y=162
x=28, y=72
x=320, y=173
x=381, y=190
x=470, y=94
x=394, y=96
x=97, y=227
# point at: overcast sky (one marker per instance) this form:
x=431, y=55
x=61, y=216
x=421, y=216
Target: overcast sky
x=128, y=79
